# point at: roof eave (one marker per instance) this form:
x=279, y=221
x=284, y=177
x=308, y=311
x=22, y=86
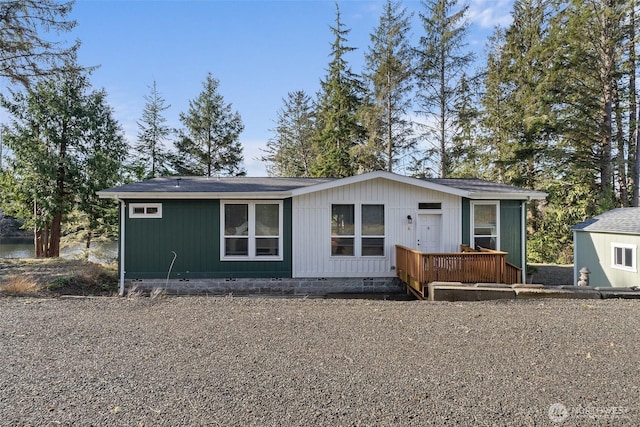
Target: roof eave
x=380, y=174
x=506, y=196
x=626, y=233
x=192, y=195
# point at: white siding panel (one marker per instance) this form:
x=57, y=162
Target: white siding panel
x=312, y=227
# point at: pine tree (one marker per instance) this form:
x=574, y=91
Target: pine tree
x=590, y=41
x=290, y=151
x=25, y=54
x=209, y=143
x=338, y=129
x=496, y=131
x=389, y=77
x=65, y=145
x=442, y=62
x=101, y=166
x=467, y=145
x=152, y=156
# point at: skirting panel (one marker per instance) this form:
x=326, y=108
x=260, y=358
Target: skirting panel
x=270, y=287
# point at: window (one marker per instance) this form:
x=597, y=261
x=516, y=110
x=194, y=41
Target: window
x=342, y=230
x=623, y=256
x=357, y=230
x=485, y=220
x=372, y=230
x=145, y=210
x=429, y=206
x=251, y=230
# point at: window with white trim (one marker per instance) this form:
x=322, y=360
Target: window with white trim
x=145, y=210
x=357, y=230
x=485, y=223
x=251, y=230
x=623, y=256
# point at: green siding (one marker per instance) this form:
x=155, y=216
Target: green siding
x=511, y=230
x=466, y=221
x=191, y=229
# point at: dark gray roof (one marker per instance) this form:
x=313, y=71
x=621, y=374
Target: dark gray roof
x=474, y=185
x=621, y=220
x=191, y=184
x=196, y=187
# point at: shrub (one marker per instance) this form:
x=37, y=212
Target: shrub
x=20, y=285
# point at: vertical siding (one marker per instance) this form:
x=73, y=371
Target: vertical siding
x=191, y=228
x=466, y=221
x=511, y=230
x=312, y=222
x=593, y=250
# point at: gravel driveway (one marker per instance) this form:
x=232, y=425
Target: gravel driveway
x=200, y=361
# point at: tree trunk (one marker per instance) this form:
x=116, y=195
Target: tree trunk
x=621, y=161
x=606, y=76
x=444, y=157
x=389, y=126
x=634, y=179
x=56, y=234
x=87, y=246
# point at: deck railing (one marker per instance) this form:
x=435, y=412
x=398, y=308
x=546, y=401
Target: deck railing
x=417, y=269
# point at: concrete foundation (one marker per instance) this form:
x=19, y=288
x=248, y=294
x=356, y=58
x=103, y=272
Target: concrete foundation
x=454, y=291
x=271, y=287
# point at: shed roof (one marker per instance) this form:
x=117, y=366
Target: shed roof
x=254, y=187
x=619, y=221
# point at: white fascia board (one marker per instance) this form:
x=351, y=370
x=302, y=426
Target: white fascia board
x=507, y=196
x=384, y=175
x=192, y=195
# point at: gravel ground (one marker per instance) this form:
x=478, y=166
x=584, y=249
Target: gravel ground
x=291, y=362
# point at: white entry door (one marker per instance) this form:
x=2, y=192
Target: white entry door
x=429, y=229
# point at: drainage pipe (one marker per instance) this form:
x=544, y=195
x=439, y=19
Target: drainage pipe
x=123, y=217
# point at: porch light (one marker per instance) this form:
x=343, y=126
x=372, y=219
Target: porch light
x=409, y=219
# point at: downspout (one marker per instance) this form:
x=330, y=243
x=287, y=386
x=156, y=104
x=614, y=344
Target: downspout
x=123, y=211
x=523, y=210
x=575, y=264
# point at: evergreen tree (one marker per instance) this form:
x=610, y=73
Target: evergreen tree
x=442, y=63
x=494, y=141
x=104, y=150
x=24, y=54
x=528, y=111
x=65, y=145
x=338, y=129
x=589, y=46
x=152, y=157
x=209, y=144
x=290, y=151
x=389, y=77
x=467, y=145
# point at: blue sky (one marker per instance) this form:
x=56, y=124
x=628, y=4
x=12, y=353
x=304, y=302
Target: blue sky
x=258, y=50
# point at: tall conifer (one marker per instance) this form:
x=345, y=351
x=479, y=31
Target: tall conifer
x=338, y=129
x=389, y=78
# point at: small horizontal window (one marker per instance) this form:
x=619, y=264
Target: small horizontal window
x=145, y=210
x=429, y=206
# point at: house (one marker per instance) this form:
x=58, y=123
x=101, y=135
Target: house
x=305, y=235
x=608, y=246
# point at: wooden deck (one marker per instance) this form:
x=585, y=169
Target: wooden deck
x=418, y=269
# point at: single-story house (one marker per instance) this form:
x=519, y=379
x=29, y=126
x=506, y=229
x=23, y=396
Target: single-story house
x=305, y=235
x=607, y=245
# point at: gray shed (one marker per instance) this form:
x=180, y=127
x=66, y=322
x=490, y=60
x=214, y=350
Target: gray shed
x=608, y=246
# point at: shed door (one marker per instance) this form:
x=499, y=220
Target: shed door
x=429, y=229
